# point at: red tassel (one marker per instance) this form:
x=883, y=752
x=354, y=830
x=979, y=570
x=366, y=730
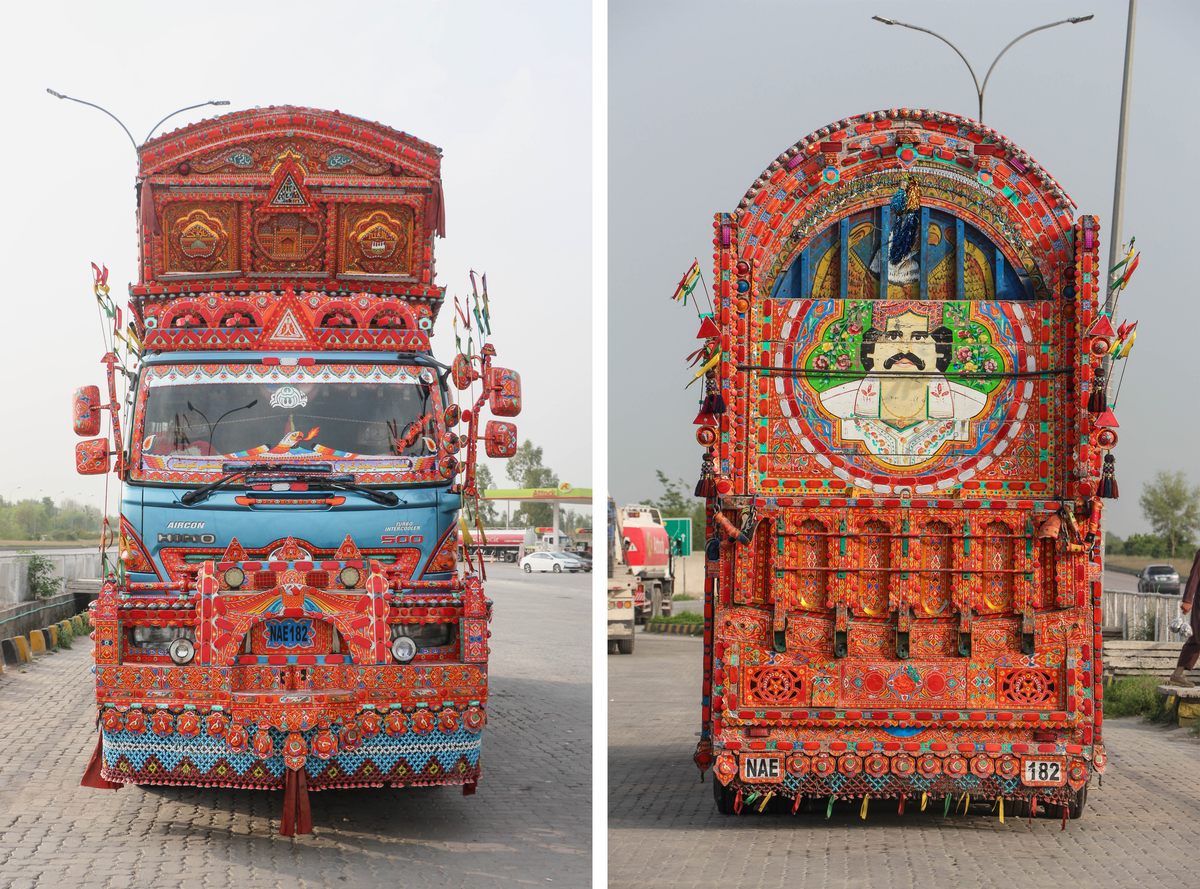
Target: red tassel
x=1033, y=808
x=737, y=802
x=1098, y=398
x=796, y=803
x=469, y=788
x=297, y=814
x=92, y=776
x=1066, y=810
x=900, y=810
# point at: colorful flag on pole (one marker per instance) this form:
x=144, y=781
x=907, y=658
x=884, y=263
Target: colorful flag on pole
x=687, y=283
x=1119, y=274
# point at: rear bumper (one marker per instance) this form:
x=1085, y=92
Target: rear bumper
x=847, y=774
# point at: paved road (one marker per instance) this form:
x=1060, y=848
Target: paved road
x=664, y=833
x=529, y=824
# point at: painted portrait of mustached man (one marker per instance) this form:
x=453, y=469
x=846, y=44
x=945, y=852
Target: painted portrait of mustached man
x=904, y=410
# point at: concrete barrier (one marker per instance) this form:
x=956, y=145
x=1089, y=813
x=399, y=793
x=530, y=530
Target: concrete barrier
x=37, y=642
x=21, y=646
x=51, y=636
x=14, y=655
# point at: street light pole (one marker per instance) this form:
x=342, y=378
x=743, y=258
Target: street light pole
x=59, y=95
x=981, y=89
x=1114, y=240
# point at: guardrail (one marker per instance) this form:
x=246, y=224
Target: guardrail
x=1141, y=615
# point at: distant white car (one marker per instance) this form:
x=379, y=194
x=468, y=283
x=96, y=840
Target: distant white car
x=556, y=562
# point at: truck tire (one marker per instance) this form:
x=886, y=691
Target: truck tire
x=723, y=796
x=625, y=646
x=1075, y=807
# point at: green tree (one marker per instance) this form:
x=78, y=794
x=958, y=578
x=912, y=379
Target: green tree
x=526, y=470
x=1113, y=545
x=1144, y=545
x=677, y=501
x=1172, y=507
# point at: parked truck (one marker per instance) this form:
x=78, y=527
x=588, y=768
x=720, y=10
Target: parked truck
x=644, y=561
x=907, y=445
x=622, y=624
x=285, y=609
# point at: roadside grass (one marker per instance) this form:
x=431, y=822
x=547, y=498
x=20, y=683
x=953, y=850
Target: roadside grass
x=1135, y=696
x=1135, y=564
x=683, y=597
x=684, y=617
x=90, y=540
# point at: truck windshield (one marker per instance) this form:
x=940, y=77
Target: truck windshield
x=370, y=419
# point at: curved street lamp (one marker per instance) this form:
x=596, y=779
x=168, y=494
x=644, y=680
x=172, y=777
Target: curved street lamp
x=59, y=95
x=979, y=90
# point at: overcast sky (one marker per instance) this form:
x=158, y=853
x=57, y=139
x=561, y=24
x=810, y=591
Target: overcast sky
x=704, y=95
x=503, y=89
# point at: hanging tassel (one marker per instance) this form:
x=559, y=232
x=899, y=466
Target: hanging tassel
x=92, y=776
x=297, y=814
x=1001, y=801
x=946, y=808
x=796, y=804
x=1108, y=478
x=737, y=802
x=1098, y=399
x=829, y=808
x=1033, y=808
x=862, y=810
x=900, y=808
x=1066, y=810
x=718, y=406
x=924, y=800
x=766, y=799
x=965, y=799
x=705, y=487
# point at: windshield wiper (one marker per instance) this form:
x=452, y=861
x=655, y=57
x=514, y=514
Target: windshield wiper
x=347, y=483
x=235, y=471
x=290, y=472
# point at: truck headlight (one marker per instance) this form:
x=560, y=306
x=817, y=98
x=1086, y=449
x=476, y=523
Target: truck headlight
x=182, y=651
x=349, y=576
x=404, y=649
x=234, y=577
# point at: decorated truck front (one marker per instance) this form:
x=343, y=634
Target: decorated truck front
x=286, y=609
x=906, y=430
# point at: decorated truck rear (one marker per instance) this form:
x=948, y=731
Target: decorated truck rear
x=906, y=445
x=285, y=609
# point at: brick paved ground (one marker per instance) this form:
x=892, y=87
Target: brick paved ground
x=529, y=824
x=1139, y=831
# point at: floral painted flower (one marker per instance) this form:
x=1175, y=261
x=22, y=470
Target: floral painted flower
x=821, y=362
x=963, y=353
x=989, y=365
x=843, y=362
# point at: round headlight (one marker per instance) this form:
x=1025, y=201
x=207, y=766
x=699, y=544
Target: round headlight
x=404, y=649
x=349, y=576
x=234, y=577
x=182, y=651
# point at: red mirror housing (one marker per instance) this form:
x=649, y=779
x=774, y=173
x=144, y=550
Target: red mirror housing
x=86, y=411
x=462, y=373
x=500, y=439
x=91, y=457
x=504, y=392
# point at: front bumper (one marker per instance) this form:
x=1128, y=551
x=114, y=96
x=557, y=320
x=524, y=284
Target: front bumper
x=365, y=747
x=239, y=717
